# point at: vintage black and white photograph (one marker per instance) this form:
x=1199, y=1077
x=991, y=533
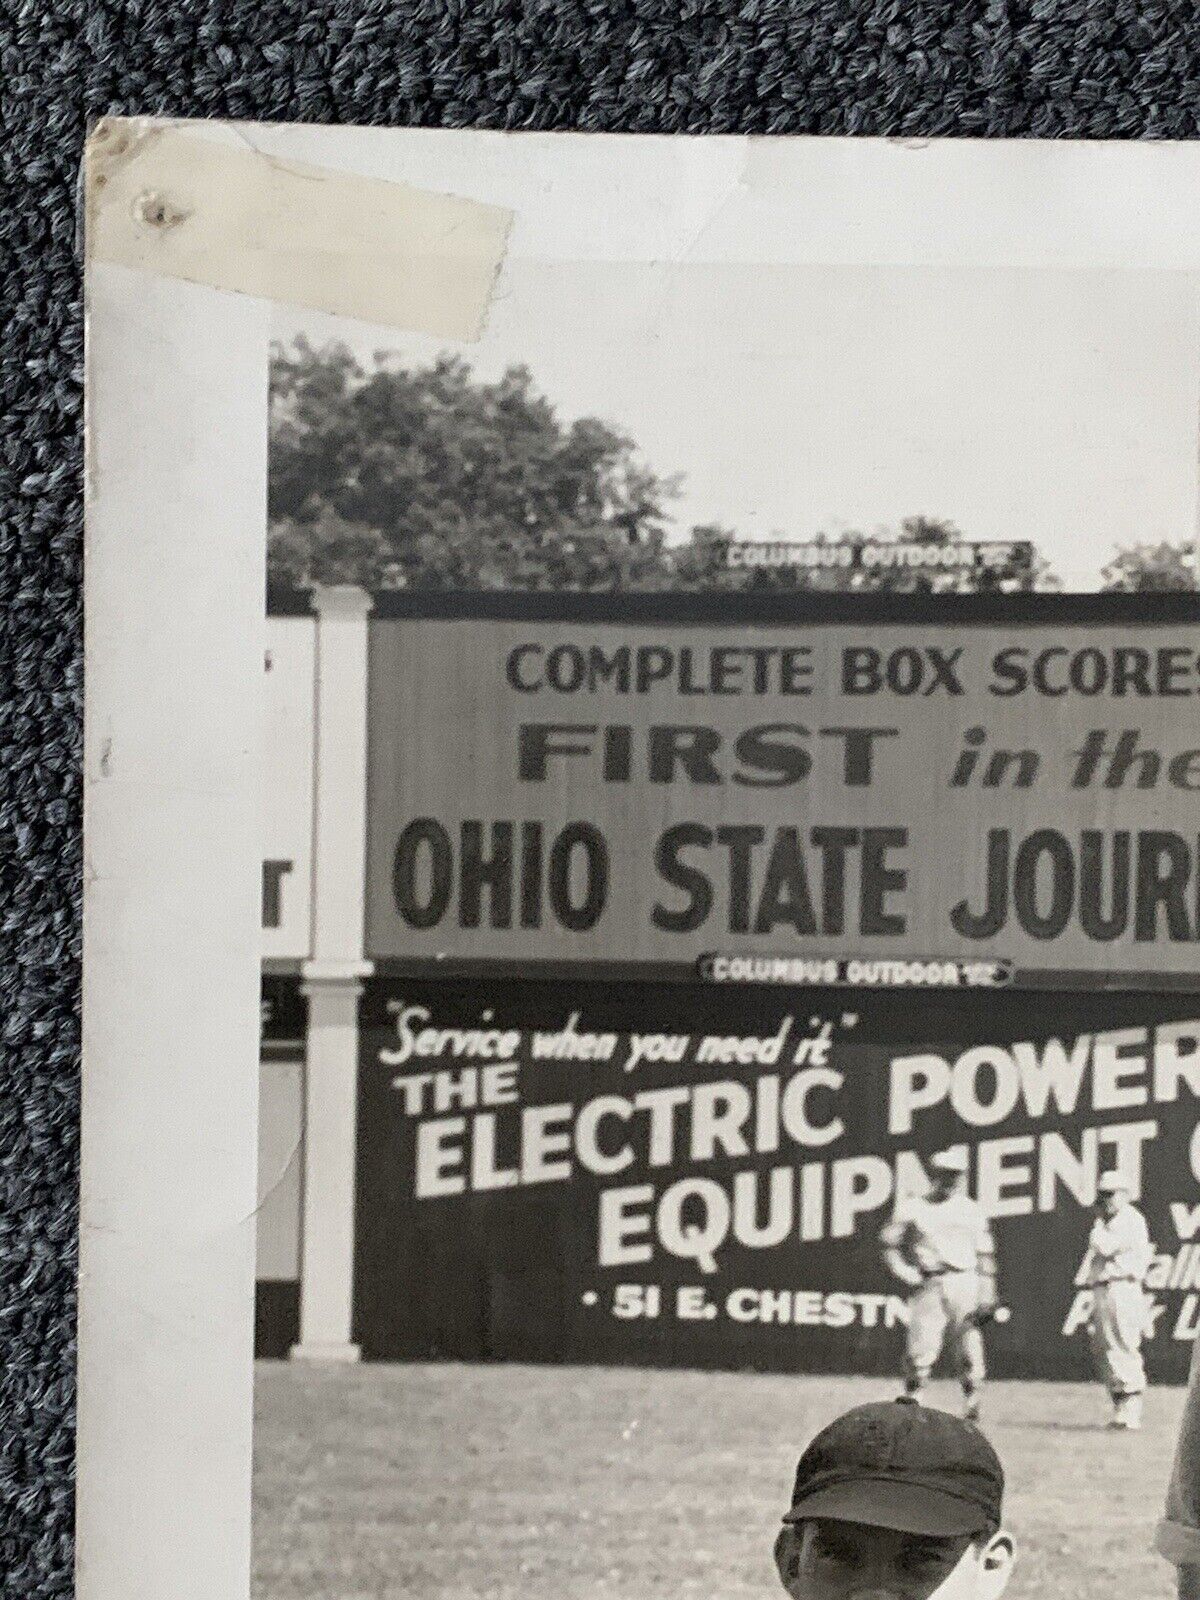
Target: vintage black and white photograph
x=730, y=885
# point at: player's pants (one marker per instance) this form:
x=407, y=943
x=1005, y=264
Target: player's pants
x=1118, y=1326
x=944, y=1305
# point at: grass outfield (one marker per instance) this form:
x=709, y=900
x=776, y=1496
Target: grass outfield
x=448, y=1482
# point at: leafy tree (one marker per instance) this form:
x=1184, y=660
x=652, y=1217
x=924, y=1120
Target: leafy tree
x=324, y=546
x=430, y=478
x=1151, y=569
x=699, y=564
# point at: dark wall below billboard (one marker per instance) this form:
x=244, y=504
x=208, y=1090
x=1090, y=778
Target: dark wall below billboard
x=697, y=1176
x=284, y=1018
x=276, y=1318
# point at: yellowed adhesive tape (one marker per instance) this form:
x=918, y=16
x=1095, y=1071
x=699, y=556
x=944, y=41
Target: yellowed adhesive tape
x=162, y=198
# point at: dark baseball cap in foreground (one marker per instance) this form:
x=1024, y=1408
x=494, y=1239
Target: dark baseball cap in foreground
x=903, y=1466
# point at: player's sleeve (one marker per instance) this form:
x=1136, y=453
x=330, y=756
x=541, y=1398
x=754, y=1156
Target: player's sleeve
x=985, y=1247
x=894, y=1234
x=1090, y=1258
x=1177, y=1536
x=1141, y=1249
x=1132, y=1251
x=894, y=1238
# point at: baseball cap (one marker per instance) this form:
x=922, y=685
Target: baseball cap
x=949, y=1160
x=896, y=1464
x=1113, y=1182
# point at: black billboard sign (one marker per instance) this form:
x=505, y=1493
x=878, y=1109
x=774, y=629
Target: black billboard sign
x=697, y=1175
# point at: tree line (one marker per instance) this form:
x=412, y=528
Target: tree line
x=430, y=478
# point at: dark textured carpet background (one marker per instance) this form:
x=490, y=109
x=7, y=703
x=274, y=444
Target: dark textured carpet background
x=1058, y=68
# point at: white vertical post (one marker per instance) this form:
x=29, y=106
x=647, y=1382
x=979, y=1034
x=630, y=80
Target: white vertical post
x=177, y=447
x=333, y=976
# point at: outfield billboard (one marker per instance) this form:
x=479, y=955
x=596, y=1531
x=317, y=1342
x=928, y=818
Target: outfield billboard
x=692, y=1176
x=288, y=768
x=1009, y=793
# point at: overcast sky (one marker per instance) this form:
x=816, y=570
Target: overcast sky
x=1056, y=405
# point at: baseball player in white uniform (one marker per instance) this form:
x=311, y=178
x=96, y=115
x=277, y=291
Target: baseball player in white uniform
x=1118, y=1257
x=940, y=1246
